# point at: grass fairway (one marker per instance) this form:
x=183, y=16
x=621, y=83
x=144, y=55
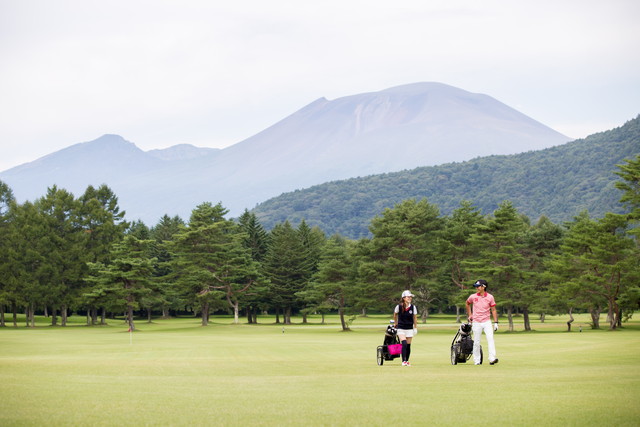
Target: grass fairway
x=175, y=372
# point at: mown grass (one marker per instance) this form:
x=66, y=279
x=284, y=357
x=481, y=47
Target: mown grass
x=176, y=372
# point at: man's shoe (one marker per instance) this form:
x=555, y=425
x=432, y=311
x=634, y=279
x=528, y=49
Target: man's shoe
x=494, y=362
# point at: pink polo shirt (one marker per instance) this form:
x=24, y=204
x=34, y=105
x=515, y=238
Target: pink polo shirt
x=481, y=306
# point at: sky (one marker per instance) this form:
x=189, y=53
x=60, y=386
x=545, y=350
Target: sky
x=213, y=73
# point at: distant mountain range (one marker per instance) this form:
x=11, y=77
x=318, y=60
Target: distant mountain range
x=421, y=124
x=558, y=182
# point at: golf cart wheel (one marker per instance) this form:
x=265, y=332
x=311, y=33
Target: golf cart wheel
x=380, y=356
x=454, y=356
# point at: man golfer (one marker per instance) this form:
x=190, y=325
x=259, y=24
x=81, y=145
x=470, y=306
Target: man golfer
x=484, y=306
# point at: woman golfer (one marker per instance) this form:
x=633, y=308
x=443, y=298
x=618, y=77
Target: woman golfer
x=405, y=317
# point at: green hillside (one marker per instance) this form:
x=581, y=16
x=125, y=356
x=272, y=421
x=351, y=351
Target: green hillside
x=558, y=182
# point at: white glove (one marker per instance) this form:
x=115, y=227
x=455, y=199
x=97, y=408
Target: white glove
x=495, y=326
x=415, y=331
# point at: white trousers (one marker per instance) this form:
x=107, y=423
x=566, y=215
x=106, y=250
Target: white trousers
x=477, y=333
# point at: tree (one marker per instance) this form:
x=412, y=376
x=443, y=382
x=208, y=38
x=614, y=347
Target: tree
x=457, y=249
x=257, y=239
x=211, y=261
x=630, y=173
x=333, y=283
x=541, y=241
x=23, y=284
x=313, y=240
x=286, y=266
x=404, y=253
x=164, y=234
x=601, y=262
x=499, y=259
x=126, y=278
x=62, y=249
x=6, y=201
x=104, y=225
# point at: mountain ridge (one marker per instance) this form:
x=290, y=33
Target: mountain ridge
x=557, y=182
x=394, y=129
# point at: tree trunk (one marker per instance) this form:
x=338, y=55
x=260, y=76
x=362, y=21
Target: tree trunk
x=345, y=327
x=304, y=318
x=205, y=314
x=287, y=316
x=132, y=326
x=63, y=315
x=595, y=318
x=14, y=309
x=510, y=317
x=527, y=322
x=2, y=316
x=32, y=316
x=149, y=315
x=236, y=313
x=54, y=317
x=619, y=319
x=542, y=317
x=612, y=316
x=103, y=316
x=277, y=316
x=571, y=319
x=322, y=317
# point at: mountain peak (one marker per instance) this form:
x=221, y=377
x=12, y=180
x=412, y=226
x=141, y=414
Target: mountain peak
x=399, y=128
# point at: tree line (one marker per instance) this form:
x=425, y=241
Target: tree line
x=61, y=254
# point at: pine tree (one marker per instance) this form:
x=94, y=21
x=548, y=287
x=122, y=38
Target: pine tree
x=600, y=263
x=499, y=259
x=6, y=201
x=126, y=278
x=456, y=248
x=333, y=284
x=404, y=254
x=62, y=248
x=104, y=225
x=211, y=262
x=286, y=266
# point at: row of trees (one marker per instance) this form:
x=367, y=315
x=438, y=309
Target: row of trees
x=62, y=253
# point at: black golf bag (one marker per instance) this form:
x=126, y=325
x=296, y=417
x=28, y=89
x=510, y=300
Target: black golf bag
x=462, y=345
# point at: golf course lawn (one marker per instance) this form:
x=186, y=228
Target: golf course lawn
x=175, y=372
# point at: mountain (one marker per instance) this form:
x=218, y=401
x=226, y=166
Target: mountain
x=421, y=124
x=557, y=182
x=183, y=152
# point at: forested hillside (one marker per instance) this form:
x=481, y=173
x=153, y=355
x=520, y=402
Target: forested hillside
x=558, y=182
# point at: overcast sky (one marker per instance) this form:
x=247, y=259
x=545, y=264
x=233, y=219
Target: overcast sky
x=212, y=73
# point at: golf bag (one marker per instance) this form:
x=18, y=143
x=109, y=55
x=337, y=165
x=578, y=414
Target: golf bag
x=462, y=345
x=391, y=347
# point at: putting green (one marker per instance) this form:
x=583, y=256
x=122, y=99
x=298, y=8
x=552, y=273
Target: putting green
x=175, y=372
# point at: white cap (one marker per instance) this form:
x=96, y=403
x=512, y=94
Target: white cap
x=407, y=294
